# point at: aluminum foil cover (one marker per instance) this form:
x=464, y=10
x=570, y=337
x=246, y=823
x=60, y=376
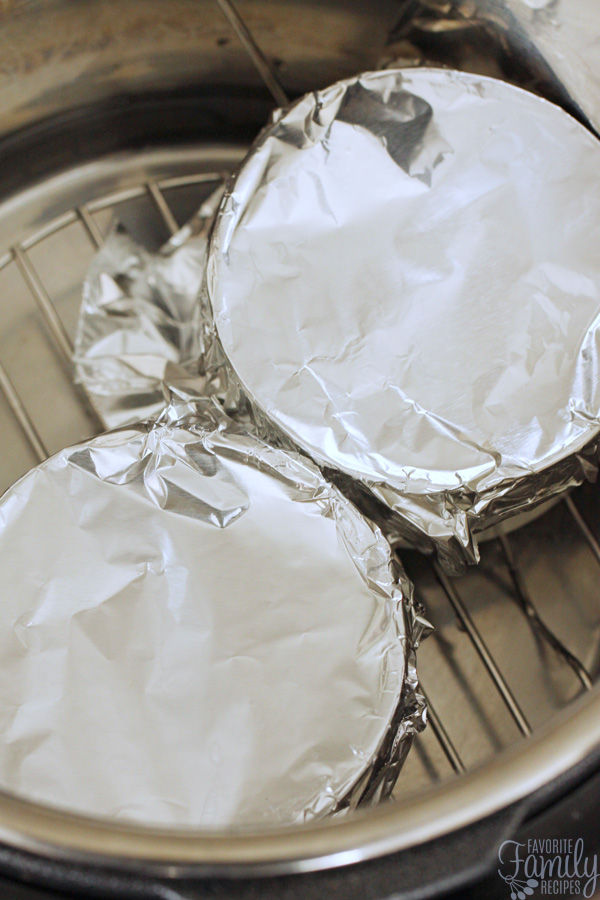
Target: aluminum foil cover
x=198, y=630
x=405, y=278
x=141, y=320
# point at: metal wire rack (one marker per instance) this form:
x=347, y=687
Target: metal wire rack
x=516, y=639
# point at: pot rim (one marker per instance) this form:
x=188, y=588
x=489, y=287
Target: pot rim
x=508, y=778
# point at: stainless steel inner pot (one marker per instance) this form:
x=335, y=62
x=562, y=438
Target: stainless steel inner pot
x=134, y=109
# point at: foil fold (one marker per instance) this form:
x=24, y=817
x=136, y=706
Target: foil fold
x=391, y=291
x=200, y=631
x=142, y=321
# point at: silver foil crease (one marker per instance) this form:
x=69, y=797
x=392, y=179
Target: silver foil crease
x=405, y=278
x=141, y=320
x=199, y=630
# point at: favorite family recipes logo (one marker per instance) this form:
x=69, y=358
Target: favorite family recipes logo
x=548, y=867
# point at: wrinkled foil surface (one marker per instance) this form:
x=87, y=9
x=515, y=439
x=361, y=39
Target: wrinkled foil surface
x=405, y=278
x=199, y=630
x=141, y=321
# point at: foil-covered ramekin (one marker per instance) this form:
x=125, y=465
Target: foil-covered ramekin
x=405, y=282
x=199, y=630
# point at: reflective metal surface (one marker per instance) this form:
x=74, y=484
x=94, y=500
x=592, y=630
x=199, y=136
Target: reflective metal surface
x=558, y=38
x=56, y=57
x=473, y=717
x=198, y=630
x=473, y=733
x=566, y=34
x=141, y=322
x=431, y=331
